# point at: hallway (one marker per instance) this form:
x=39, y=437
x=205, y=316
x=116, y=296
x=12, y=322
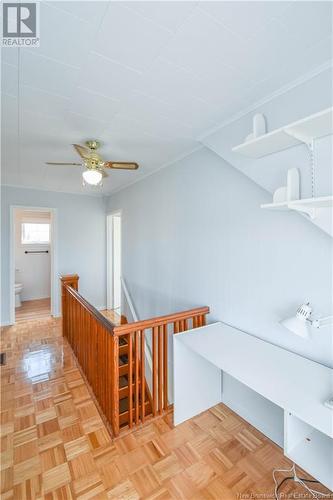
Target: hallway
x=54, y=443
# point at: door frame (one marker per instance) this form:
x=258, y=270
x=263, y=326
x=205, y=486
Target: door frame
x=109, y=256
x=54, y=292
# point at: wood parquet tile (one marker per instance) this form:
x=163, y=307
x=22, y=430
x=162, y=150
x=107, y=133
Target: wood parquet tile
x=33, y=309
x=55, y=446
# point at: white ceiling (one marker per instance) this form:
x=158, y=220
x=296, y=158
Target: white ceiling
x=145, y=78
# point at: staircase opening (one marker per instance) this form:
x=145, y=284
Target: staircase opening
x=114, y=357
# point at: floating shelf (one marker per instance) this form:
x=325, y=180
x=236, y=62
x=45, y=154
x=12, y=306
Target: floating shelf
x=323, y=202
x=318, y=210
x=301, y=205
x=276, y=206
x=302, y=131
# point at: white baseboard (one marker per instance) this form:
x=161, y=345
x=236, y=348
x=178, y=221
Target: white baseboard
x=6, y=323
x=24, y=298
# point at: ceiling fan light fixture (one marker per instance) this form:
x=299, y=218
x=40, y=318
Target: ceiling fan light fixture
x=92, y=177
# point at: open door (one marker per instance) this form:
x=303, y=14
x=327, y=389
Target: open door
x=114, y=261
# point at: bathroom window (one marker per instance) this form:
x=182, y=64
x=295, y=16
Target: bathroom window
x=35, y=233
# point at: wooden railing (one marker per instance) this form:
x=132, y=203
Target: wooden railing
x=158, y=329
x=98, y=345
x=91, y=337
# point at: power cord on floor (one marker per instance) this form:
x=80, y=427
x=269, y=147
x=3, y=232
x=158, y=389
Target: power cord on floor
x=300, y=480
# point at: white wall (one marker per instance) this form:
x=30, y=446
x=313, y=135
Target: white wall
x=194, y=234
x=33, y=270
x=80, y=237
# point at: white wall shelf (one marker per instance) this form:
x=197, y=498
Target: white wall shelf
x=319, y=210
x=304, y=205
x=303, y=131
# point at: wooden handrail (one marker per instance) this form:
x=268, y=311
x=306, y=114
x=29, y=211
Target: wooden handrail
x=98, y=345
x=160, y=320
x=93, y=311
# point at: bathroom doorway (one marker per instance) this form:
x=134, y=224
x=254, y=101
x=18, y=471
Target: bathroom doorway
x=32, y=264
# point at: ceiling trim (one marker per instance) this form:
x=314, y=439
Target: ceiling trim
x=282, y=90
x=17, y=186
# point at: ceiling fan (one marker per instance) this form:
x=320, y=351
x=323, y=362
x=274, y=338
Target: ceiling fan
x=93, y=163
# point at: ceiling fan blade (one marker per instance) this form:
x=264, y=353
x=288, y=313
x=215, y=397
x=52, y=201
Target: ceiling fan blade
x=121, y=165
x=82, y=151
x=60, y=163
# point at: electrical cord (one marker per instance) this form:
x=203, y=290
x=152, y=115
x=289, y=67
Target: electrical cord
x=300, y=480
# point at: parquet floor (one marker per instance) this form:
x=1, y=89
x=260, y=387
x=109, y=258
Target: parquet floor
x=54, y=444
x=33, y=309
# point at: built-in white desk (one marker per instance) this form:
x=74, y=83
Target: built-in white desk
x=294, y=383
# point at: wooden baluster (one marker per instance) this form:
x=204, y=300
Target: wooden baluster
x=160, y=369
x=83, y=339
x=105, y=375
x=109, y=375
x=143, y=376
x=97, y=354
x=66, y=322
x=203, y=320
x=130, y=379
x=100, y=363
x=77, y=327
x=115, y=385
x=70, y=304
x=185, y=325
x=102, y=368
x=155, y=368
x=194, y=322
x=92, y=350
x=87, y=345
x=107, y=380
x=74, y=326
x=80, y=336
x=136, y=376
x=165, y=366
x=176, y=327
x=77, y=336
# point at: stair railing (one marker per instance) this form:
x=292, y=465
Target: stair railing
x=91, y=337
x=159, y=329
x=96, y=344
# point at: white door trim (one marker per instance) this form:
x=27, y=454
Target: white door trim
x=109, y=255
x=55, y=299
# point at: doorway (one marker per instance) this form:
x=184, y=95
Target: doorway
x=114, y=262
x=32, y=276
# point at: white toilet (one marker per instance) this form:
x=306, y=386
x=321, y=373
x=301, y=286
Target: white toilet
x=18, y=291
